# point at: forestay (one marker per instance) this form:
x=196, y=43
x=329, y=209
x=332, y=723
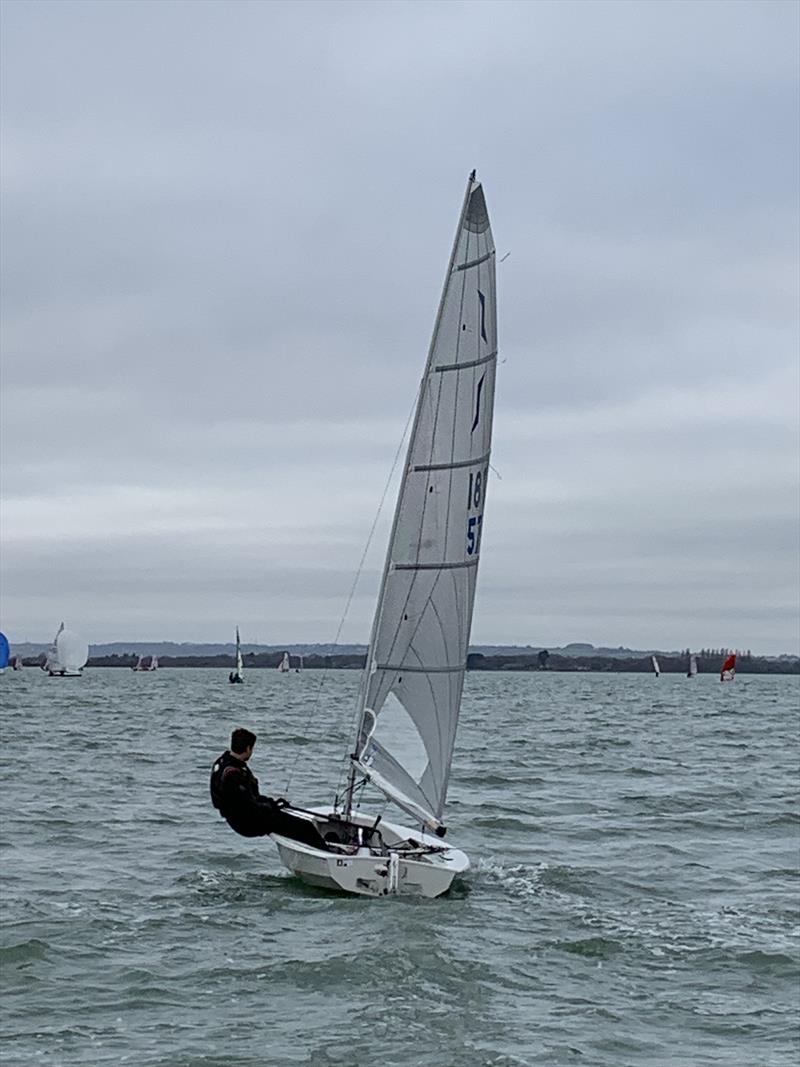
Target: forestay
x=411, y=690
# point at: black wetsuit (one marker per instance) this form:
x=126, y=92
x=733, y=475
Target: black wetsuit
x=234, y=792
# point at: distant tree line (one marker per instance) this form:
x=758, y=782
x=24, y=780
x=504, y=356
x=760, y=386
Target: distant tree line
x=709, y=661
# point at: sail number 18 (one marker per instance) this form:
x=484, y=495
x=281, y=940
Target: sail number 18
x=474, y=501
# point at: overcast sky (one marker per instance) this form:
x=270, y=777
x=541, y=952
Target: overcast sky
x=224, y=233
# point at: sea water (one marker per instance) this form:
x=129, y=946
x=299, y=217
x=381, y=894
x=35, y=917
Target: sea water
x=633, y=897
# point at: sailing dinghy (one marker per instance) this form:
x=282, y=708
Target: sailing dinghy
x=235, y=677
x=145, y=664
x=691, y=669
x=728, y=672
x=67, y=656
x=410, y=691
x=656, y=668
x=284, y=664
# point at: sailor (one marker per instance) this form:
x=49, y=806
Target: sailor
x=235, y=793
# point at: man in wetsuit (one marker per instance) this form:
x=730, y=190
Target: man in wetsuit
x=234, y=790
x=234, y=793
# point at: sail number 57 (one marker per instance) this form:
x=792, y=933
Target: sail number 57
x=474, y=534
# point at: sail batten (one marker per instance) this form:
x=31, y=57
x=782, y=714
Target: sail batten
x=475, y=262
x=452, y=466
x=411, y=690
x=444, y=565
x=466, y=365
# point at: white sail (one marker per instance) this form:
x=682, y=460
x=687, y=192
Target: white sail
x=692, y=668
x=238, y=653
x=656, y=668
x=411, y=689
x=68, y=654
x=153, y=663
x=283, y=666
x=51, y=656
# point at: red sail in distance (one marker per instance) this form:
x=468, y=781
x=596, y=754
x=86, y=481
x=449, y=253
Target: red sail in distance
x=728, y=667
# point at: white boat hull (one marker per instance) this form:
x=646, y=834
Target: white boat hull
x=370, y=872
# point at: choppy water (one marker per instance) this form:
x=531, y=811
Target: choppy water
x=634, y=898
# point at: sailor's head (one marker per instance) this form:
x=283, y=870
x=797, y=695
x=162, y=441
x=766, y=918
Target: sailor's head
x=242, y=743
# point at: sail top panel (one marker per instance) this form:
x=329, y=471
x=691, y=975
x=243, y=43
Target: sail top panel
x=476, y=217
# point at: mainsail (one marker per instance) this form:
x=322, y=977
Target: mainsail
x=691, y=670
x=51, y=657
x=238, y=653
x=4, y=652
x=656, y=668
x=411, y=689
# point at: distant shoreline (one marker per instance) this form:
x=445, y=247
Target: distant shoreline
x=640, y=664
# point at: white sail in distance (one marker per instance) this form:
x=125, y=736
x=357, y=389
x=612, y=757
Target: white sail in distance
x=656, y=668
x=70, y=652
x=51, y=659
x=238, y=653
x=411, y=689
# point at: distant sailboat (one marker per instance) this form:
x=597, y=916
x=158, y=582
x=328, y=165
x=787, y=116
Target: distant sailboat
x=410, y=694
x=691, y=669
x=728, y=672
x=4, y=652
x=284, y=666
x=146, y=663
x=67, y=656
x=235, y=677
x=656, y=668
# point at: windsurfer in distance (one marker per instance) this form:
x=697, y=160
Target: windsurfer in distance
x=235, y=793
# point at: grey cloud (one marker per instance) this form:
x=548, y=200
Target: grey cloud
x=224, y=229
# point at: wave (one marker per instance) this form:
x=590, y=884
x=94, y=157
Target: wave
x=23, y=952
x=592, y=947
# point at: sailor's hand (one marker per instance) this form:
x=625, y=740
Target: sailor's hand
x=281, y=802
